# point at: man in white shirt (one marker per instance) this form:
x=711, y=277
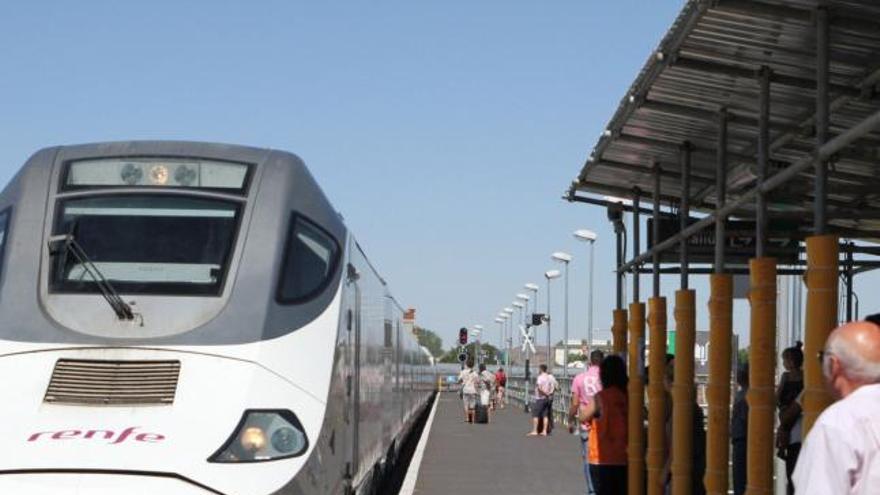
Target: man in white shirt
x=469, y=380
x=841, y=454
x=545, y=386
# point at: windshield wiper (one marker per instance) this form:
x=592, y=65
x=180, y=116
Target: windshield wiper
x=70, y=245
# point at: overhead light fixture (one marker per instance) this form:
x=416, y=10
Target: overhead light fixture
x=562, y=257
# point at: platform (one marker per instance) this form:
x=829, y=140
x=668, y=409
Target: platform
x=496, y=458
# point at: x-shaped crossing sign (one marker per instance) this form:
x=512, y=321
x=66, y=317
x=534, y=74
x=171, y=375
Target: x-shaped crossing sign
x=527, y=338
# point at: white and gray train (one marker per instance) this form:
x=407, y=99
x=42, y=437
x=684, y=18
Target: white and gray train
x=192, y=318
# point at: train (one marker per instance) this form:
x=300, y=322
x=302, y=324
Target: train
x=194, y=318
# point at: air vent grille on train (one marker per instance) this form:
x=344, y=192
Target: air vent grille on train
x=113, y=383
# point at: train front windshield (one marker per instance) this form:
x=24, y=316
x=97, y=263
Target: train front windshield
x=146, y=243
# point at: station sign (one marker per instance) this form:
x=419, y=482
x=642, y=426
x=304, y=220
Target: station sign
x=783, y=240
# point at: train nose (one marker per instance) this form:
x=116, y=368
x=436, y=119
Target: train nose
x=221, y=409
x=98, y=484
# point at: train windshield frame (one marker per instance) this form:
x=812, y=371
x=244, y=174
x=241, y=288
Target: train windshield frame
x=146, y=243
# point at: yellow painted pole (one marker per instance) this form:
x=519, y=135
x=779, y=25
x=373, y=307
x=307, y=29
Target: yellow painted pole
x=618, y=331
x=762, y=360
x=656, y=454
x=683, y=393
x=718, y=389
x=822, y=269
x=635, y=414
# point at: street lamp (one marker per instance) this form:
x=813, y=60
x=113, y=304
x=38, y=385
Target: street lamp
x=534, y=289
x=478, y=330
x=500, y=321
x=519, y=307
x=524, y=309
x=503, y=335
x=527, y=372
x=509, y=318
x=550, y=275
x=588, y=236
x=566, y=259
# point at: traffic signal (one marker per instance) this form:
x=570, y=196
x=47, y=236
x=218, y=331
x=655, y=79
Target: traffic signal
x=537, y=319
x=462, y=336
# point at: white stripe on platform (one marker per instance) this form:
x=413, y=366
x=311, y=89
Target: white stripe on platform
x=412, y=474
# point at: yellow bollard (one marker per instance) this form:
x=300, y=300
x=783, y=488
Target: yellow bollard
x=822, y=269
x=618, y=332
x=718, y=389
x=762, y=360
x=635, y=415
x=656, y=454
x=683, y=393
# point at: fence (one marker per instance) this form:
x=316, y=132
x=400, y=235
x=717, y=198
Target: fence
x=521, y=393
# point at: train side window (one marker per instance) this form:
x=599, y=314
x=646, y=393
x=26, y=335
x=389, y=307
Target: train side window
x=310, y=260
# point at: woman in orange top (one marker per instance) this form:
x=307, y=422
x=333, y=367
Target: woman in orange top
x=607, y=414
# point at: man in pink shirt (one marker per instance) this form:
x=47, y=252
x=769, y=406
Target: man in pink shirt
x=583, y=387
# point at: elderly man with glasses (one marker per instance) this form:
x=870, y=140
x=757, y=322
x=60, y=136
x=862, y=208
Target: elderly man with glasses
x=841, y=454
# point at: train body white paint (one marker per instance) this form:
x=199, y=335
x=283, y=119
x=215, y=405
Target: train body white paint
x=246, y=345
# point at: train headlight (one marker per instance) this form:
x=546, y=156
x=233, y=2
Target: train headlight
x=253, y=439
x=263, y=435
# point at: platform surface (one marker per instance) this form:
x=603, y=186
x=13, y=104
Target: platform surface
x=497, y=458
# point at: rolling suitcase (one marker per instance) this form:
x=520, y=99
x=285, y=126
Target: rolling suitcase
x=481, y=414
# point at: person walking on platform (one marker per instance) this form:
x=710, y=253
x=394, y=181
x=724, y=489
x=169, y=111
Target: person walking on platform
x=544, y=388
x=607, y=415
x=487, y=387
x=469, y=380
x=739, y=429
x=584, y=387
x=841, y=454
x=500, y=384
x=788, y=435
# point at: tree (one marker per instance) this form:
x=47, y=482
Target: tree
x=576, y=356
x=742, y=356
x=489, y=351
x=429, y=340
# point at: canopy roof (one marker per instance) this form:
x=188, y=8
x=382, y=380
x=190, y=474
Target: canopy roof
x=710, y=60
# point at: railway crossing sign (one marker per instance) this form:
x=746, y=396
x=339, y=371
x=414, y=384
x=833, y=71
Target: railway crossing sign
x=527, y=338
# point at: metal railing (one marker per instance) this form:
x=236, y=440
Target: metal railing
x=520, y=392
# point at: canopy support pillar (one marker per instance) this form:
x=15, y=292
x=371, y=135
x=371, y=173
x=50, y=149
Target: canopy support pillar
x=720, y=337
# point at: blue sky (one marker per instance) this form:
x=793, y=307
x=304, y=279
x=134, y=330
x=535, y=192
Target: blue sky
x=445, y=132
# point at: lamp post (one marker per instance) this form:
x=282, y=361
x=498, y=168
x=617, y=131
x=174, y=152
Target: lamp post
x=524, y=299
x=509, y=318
x=500, y=321
x=478, y=330
x=588, y=236
x=533, y=288
x=521, y=307
x=564, y=258
x=550, y=275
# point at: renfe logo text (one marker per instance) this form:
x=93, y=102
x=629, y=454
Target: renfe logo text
x=109, y=435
